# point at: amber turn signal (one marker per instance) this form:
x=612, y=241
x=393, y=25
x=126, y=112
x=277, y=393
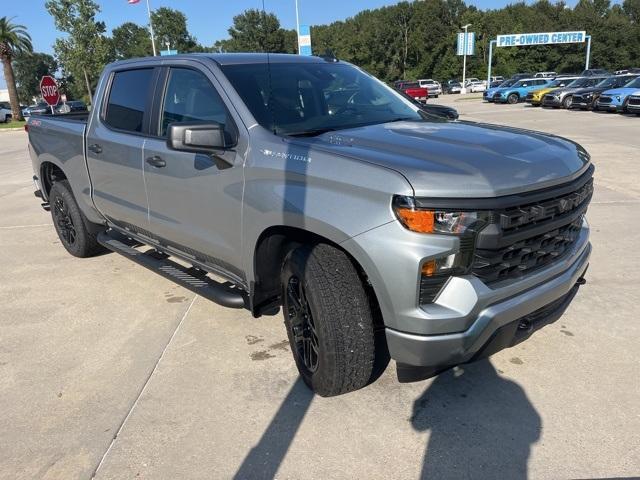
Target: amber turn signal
x=420, y=221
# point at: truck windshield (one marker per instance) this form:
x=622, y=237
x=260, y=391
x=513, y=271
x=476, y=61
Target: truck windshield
x=312, y=98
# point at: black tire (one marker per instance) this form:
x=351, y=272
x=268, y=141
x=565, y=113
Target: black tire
x=70, y=223
x=328, y=319
x=513, y=99
x=566, y=101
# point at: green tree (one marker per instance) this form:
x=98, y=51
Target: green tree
x=29, y=68
x=170, y=26
x=257, y=31
x=130, y=41
x=86, y=50
x=14, y=40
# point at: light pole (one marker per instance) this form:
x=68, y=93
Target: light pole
x=297, y=27
x=153, y=40
x=464, y=59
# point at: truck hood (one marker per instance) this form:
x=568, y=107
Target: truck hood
x=462, y=159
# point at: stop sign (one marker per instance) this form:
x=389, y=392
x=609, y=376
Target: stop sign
x=49, y=90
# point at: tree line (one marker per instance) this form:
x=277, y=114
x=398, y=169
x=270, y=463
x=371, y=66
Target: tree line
x=407, y=40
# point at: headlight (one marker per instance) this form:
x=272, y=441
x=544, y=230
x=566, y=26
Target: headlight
x=423, y=220
x=618, y=97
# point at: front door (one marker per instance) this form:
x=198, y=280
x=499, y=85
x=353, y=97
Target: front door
x=195, y=202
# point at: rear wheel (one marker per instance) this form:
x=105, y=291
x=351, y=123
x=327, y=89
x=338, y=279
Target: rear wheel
x=70, y=224
x=328, y=319
x=513, y=98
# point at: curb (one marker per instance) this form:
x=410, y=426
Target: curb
x=11, y=129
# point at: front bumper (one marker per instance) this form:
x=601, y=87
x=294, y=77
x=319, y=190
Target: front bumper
x=489, y=310
x=608, y=106
x=551, y=101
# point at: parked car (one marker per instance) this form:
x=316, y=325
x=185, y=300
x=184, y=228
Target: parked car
x=487, y=96
x=452, y=239
x=595, y=72
x=477, y=87
x=633, y=104
x=585, y=98
x=535, y=98
x=614, y=100
x=469, y=81
x=545, y=75
x=413, y=89
x=434, y=88
x=453, y=86
x=498, y=78
x=520, y=76
x=562, y=97
x=72, y=106
x=519, y=90
x=38, y=108
x=432, y=109
x=5, y=114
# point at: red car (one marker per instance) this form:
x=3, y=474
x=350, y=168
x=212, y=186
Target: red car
x=413, y=89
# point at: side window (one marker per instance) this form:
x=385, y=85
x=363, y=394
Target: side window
x=190, y=97
x=127, y=99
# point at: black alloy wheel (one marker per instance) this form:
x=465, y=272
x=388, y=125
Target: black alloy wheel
x=303, y=329
x=66, y=228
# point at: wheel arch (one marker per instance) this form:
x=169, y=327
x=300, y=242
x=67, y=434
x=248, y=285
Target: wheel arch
x=272, y=247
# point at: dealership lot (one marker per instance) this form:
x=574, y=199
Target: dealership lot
x=108, y=369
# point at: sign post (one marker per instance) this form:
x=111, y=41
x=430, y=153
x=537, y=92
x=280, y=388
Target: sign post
x=49, y=91
x=466, y=45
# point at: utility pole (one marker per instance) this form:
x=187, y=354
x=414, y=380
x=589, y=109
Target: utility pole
x=153, y=40
x=464, y=58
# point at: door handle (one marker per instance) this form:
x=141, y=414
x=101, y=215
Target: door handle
x=156, y=161
x=95, y=148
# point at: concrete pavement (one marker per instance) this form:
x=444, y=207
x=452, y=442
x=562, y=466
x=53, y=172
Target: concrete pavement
x=108, y=369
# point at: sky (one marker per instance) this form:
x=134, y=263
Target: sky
x=208, y=20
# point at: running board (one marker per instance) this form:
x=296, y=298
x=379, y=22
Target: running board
x=225, y=294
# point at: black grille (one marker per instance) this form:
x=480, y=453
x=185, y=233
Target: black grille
x=529, y=97
x=523, y=238
x=634, y=101
x=604, y=99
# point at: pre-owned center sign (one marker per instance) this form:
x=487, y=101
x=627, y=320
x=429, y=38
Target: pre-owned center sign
x=547, y=38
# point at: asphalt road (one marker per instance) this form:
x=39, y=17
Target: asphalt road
x=107, y=369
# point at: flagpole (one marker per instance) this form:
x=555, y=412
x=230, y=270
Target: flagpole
x=153, y=40
x=298, y=26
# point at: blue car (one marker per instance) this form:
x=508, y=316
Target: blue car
x=487, y=96
x=519, y=90
x=616, y=100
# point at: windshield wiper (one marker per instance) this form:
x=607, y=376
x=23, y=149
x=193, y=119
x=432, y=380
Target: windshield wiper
x=311, y=133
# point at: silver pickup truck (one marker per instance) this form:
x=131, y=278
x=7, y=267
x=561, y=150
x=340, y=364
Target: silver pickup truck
x=265, y=181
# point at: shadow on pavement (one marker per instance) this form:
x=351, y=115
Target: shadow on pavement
x=481, y=425
x=265, y=458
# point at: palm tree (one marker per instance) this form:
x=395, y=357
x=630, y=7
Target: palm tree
x=14, y=39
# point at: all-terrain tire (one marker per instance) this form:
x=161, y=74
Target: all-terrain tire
x=70, y=224
x=340, y=314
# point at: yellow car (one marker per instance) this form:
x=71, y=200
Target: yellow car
x=535, y=98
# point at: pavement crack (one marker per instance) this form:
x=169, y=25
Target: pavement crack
x=142, y=390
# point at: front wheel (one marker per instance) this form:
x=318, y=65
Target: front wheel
x=566, y=102
x=513, y=98
x=328, y=320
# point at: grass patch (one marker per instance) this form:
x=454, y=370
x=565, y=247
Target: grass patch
x=12, y=124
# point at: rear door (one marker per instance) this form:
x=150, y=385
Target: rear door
x=195, y=200
x=115, y=143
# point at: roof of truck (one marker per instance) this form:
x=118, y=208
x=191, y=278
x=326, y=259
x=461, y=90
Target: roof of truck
x=233, y=58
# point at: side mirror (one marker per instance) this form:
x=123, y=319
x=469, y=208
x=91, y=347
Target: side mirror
x=196, y=137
